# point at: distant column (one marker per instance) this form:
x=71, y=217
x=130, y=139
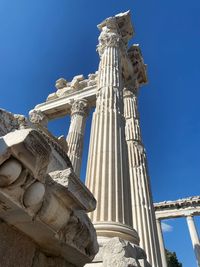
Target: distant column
x=143, y=214
x=161, y=242
x=75, y=137
x=194, y=237
x=107, y=170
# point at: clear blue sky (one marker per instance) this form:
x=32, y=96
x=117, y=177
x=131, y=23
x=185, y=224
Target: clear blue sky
x=42, y=41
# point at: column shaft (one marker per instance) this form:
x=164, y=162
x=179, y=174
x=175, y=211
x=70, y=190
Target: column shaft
x=143, y=215
x=107, y=171
x=75, y=137
x=194, y=238
x=161, y=242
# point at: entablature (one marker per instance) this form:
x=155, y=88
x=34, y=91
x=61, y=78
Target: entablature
x=61, y=106
x=178, y=208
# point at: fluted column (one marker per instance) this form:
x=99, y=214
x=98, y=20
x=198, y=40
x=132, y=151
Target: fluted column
x=161, y=242
x=194, y=238
x=107, y=169
x=143, y=215
x=75, y=137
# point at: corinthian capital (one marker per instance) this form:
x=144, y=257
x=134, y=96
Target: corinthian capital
x=80, y=107
x=109, y=35
x=115, y=31
x=38, y=117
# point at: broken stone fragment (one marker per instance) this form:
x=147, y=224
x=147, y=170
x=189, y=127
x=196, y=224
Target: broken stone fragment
x=76, y=81
x=121, y=253
x=61, y=83
x=92, y=79
x=37, y=116
x=40, y=195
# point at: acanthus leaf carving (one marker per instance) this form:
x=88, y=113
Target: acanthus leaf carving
x=80, y=107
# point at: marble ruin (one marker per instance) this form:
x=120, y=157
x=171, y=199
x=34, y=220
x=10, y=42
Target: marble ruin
x=188, y=208
x=43, y=203
x=47, y=213
x=117, y=170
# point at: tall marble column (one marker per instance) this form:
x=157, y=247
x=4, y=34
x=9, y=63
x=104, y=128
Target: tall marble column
x=194, y=237
x=107, y=169
x=143, y=215
x=75, y=137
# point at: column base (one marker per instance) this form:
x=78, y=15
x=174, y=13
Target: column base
x=113, y=229
x=118, y=252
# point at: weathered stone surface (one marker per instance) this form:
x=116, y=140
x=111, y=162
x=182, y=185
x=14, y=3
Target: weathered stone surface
x=47, y=206
x=76, y=82
x=66, y=181
x=10, y=122
x=61, y=83
x=42, y=260
x=79, y=232
x=139, y=68
x=37, y=116
x=178, y=208
x=9, y=172
x=120, y=253
x=92, y=79
x=79, y=86
x=17, y=250
x=30, y=147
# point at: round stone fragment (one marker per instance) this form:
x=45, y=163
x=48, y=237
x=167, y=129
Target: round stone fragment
x=9, y=172
x=34, y=194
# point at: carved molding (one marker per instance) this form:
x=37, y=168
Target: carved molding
x=67, y=180
x=80, y=107
x=49, y=207
x=37, y=116
x=180, y=203
x=10, y=122
x=178, y=208
x=109, y=36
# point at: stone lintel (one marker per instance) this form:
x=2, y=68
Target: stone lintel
x=77, y=83
x=179, y=203
x=61, y=106
x=178, y=208
x=162, y=215
x=57, y=107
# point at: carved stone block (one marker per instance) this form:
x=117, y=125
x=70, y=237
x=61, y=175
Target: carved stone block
x=42, y=197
